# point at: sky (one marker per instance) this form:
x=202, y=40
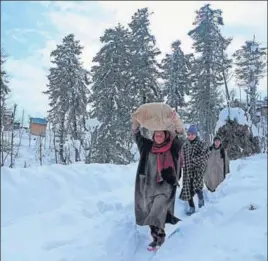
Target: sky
x=30, y=30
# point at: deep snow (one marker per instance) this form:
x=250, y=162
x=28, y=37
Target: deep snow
x=85, y=213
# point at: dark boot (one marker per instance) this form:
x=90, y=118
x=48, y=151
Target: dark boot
x=154, y=231
x=191, y=209
x=158, y=235
x=153, y=244
x=161, y=235
x=200, y=196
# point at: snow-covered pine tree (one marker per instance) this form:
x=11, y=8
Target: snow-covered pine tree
x=250, y=62
x=4, y=91
x=176, y=73
x=111, y=99
x=68, y=92
x=145, y=68
x=207, y=68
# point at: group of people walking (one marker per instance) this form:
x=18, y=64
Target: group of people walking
x=164, y=161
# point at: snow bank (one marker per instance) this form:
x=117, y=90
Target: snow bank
x=86, y=213
x=64, y=212
x=225, y=229
x=235, y=113
x=30, y=191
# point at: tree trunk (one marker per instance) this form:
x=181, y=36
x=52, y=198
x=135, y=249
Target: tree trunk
x=143, y=99
x=77, y=156
x=40, y=151
x=2, y=131
x=75, y=131
x=55, y=148
x=252, y=98
x=20, y=135
x=207, y=119
x=227, y=91
x=12, y=138
x=2, y=148
x=61, y=144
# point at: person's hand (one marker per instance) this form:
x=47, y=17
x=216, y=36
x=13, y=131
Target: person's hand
x=177, y=122
x=169, y=176
x=174, y=116
x=135, y=124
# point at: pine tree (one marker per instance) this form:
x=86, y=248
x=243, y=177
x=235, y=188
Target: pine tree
x=250, y=68
x=208, y=67
x=4, y=91
x=145, y=68
x=176, y=76
x=111, y=101
x=68, y=92
x=4, y=81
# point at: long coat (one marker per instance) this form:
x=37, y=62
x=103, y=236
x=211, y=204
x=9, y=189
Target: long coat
x=217, y=167
x=195, y=156
x=154, y=202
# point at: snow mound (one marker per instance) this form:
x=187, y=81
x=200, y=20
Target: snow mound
x=86, y=213
x=233, y=114
x=40, y=189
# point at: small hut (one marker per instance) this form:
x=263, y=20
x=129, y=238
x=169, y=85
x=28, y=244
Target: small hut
x=38, y=127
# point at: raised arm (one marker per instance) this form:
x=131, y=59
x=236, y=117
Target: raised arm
x=178, y=143
x=139, y=139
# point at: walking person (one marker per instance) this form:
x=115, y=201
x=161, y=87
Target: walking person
x=156, y=182
x=195, y=155
x=217, y=166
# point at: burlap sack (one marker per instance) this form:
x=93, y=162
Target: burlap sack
x=158, y=116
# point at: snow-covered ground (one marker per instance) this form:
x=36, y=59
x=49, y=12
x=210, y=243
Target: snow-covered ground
x=85, y=213
x=27, y=149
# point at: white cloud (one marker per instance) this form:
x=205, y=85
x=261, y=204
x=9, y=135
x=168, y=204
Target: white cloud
x=170, y=21
x=87, y=30
x=22, y=35
x=72, y=6
x=173, y=20
x=27, y=84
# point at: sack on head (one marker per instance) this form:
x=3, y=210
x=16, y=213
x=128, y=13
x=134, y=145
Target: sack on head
x=158, y=116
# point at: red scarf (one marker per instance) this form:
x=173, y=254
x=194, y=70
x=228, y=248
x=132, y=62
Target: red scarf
x=164, y=156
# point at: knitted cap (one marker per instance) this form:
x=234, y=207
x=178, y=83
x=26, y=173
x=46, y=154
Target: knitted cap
x=192, y=129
